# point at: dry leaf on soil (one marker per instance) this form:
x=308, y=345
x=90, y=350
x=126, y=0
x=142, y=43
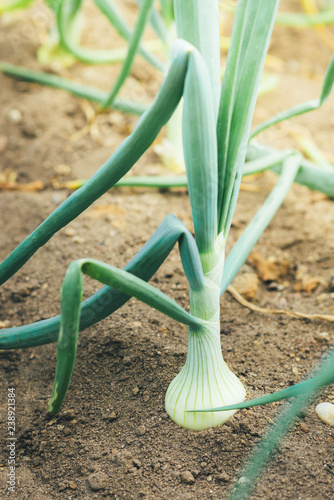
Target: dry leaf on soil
x=268, y=270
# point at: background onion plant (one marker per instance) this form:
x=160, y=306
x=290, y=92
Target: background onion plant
x=64, y=47
x=216, y=131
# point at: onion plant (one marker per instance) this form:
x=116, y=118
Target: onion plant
x=216, y=122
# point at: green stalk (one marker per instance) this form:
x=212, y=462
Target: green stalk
x=200, y=151
x=13, y=5
x=303, y=108
x=153, y=181
x=83, y=54
x=138, y=32
x=159, y=25
x=297, y=20
x=167, y=10
x=198, y=23
x=78, y=89
x=267, y=162
x=110, y=10
x=251, y=33
x=309, y=175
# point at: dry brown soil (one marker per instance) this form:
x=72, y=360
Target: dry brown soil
x=112, y=427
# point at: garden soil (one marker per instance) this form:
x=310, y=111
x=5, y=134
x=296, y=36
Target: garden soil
x=112, y=438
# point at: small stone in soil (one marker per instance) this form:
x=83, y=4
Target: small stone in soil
x=14, y=116
x=98, y=481
x=109, y=416
x=141, y=430
x=243, y=480
x=146, y=397
x=187, y=477
x=304, y=427
x=156, y=466
x=325, y=412
x=137, y=463
x=223, y=477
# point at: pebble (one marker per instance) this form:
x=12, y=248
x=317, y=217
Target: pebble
x=146, y=397
x=69, y=231
x=223, y=477
x=325, y=412
x=14, y=116
x=97, y=481
x=295, y=370
x=187, y=477
x=78, y=239
x=137, y=463
x=156, y=466
x=304, y=427
x=141, y=430
x=243, y=480
x=135, y=390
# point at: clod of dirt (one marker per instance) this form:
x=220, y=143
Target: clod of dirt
x=306, y=283
x=223, y=477
x=325, y=412
x=246, y=284
x=146, y=396
x=141, y=430
x=98, y=481
x=187, y=477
